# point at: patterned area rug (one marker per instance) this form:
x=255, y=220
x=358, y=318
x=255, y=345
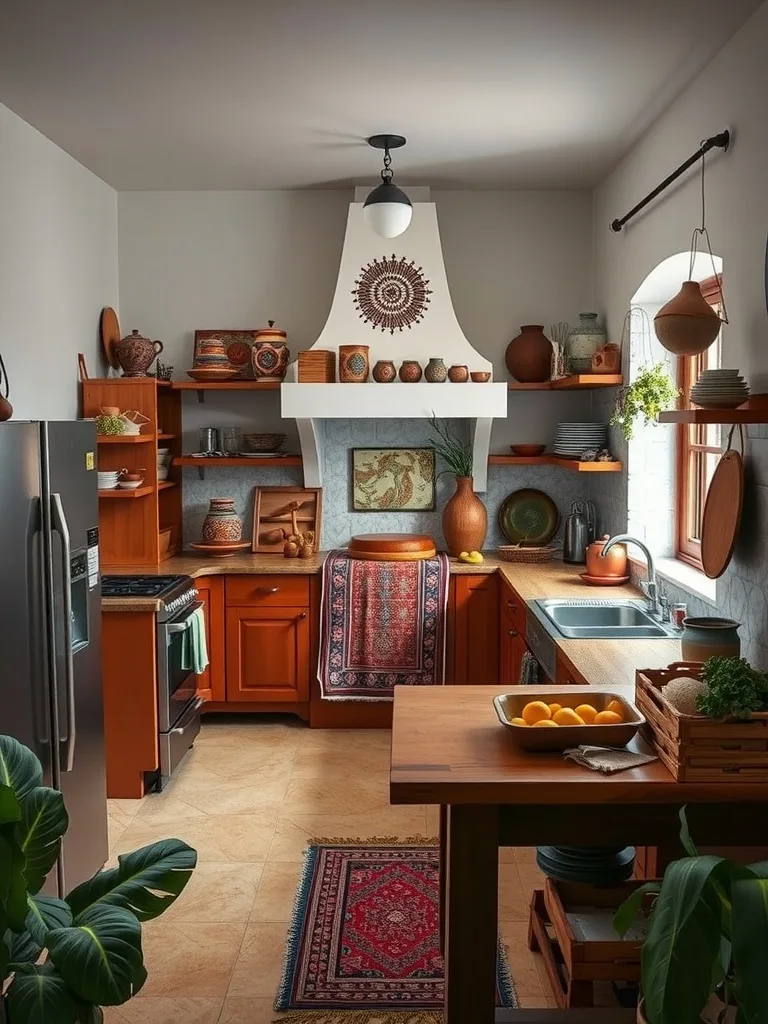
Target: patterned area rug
x=382, y=625
x=363, y=945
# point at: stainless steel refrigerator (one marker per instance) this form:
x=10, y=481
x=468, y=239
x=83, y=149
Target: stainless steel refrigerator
x=50, y=625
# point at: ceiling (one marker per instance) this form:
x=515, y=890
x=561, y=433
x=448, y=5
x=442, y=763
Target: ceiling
x=248, y=94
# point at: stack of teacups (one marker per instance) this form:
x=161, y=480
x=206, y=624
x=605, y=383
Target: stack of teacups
x=211, y=362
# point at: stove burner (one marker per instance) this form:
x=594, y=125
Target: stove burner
x=138, y=586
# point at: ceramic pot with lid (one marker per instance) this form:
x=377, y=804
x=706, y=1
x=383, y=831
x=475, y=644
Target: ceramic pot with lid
x=135, y=354
x=270, y=354
x=222, y=524
x=613, y=564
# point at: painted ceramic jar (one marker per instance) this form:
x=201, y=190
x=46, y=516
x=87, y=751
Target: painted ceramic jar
x=435, y=371
x=410, y=371
x=583, y=341
x=458, y=374
x=529, y=355
x=222, y=525
x=709, y=637
x=384, y=371
x=353, y=364
x=135, y=353
x=270, y=354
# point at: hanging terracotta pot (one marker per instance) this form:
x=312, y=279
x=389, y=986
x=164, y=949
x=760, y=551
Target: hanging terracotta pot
x=465, y=519
x=529, y=355
x=687, y=324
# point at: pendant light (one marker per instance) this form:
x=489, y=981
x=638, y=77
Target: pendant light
x=387, y=210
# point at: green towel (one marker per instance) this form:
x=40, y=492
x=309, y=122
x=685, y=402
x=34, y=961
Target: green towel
x=194, y=653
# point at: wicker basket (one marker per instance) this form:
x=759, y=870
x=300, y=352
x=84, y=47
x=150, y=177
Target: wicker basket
x=515, y=553
x=317, y=366
x=699, y=749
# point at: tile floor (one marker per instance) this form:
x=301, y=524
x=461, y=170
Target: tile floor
x=250, y=795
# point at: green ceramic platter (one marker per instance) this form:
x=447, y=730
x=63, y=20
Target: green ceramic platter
x=529, y=517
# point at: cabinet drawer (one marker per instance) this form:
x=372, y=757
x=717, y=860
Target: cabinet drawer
x=268, y=591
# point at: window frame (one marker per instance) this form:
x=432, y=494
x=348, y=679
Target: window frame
x=690, y=442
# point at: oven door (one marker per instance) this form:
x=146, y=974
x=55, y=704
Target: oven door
x=176, y=686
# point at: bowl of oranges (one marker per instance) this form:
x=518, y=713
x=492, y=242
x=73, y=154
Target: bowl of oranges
x=557, y=721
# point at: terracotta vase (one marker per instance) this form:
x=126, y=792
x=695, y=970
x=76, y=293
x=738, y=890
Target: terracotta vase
x=135, y=353
x=607, y=359
x=436, y=371
x=384, y=371
x=353, y=364
x=222, y=525
x=465, y=519
x=687, y=324
x=6, y=409
x=458, y=374
x=529, y=355
x=410, y=371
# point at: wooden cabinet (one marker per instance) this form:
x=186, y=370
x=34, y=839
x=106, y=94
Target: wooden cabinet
x=267, y=657
x=473, y=655
x=211, y=684
x=512, y=647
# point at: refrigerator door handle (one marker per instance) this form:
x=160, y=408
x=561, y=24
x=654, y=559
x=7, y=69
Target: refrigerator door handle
x=59, y=522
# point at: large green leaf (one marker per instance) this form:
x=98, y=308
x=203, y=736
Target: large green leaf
x=13, y=887
x=5, y=956
x=19, y=768
x=629, y=910
x=100, y=956
x=682, y=942
x=9, y=805
x=146, y=881
x=46, y=913
x=24, y=949
x=39, y=995
x=685, y=835
x=44, y=822
x=750, y=942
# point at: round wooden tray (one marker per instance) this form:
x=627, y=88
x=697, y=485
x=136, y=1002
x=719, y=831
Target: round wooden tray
x=391, y=547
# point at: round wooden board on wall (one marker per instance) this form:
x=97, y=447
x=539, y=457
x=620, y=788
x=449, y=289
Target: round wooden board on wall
x=722, y=514
x=110, y=335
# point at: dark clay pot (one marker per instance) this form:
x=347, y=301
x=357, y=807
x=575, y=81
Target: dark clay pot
x=709, y=637
x=529, y=355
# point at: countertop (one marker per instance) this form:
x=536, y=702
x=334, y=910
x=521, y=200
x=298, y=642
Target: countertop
x=605, y=663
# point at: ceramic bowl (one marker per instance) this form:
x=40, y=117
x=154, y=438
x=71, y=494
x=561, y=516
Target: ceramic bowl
x=527, y=449
x=263, y=442
x=480, y=376
x=129, y=485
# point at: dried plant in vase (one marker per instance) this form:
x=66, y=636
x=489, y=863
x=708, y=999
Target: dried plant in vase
x=465, y=518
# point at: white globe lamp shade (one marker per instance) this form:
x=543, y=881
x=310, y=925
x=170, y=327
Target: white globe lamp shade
x=387, y=211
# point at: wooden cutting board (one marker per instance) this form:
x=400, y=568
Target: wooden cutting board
x=110, y=335
x=722, y=514
x=392, y=547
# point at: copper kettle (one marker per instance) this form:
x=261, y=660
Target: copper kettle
x=613, y=564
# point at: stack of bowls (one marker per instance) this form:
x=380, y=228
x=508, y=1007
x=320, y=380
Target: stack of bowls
x=573, y=439
x=720, y=389
x=108, y=479
x=163, y=463
x=211, y=362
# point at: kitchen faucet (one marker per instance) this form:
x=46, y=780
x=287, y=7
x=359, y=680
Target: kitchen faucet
x=649, y=587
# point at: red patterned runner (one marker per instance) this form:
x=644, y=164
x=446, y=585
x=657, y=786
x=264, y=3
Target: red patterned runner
x=382, y=624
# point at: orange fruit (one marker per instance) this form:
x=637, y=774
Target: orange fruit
x=587, y=713
x=545, y=723
x=567, y=716
x=519, y=721
x=554, y=708
x=616, y=705
x=534, y=711
x=607, y=718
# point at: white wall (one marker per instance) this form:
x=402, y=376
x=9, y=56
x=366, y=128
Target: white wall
x=58, y=268
x=730, y=92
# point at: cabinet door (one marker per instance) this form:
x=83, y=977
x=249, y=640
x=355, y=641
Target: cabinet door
x=476, y=630
x=210, y=683
x=267, y=654
x=204, y=678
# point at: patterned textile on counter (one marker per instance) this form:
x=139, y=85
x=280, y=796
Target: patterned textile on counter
x=382, y=624
x=529, y=669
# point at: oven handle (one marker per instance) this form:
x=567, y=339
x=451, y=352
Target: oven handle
x=199, y=701
x=180, y=627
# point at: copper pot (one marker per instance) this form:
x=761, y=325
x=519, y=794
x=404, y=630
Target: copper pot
x=613, y=564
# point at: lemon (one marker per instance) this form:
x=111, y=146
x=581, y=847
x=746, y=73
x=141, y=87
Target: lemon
x=519, y=721
x=616, y=705
x=545, y=723
x=554, y=708
x=567, y=716
x=535, y=711
x=587, y=713
x=463, y=554
x=607, y=718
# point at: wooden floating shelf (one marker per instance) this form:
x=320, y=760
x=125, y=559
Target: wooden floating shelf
x=167, y=437
x=122, y=492
x=577, y=382
x=126, y=438
x=201, y=386
x=724, y=416
x=164, y=485
x=189, y=460
x=574, y=465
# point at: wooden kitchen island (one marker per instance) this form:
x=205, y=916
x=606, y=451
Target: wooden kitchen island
x=448, y=748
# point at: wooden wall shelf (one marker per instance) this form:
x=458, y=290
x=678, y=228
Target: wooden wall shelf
x=552, y=460
x=201, y=386
x=126, y=438
x=121, y=492
x=164, y=485
x=724, y=416
x=577, y=382
x=236, y=461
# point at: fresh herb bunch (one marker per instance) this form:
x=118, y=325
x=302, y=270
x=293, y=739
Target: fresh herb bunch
x=455, y=453
x=733, y=688
x=650, y=393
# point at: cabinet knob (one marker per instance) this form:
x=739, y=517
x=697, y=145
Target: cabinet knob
x=301, y=615
x=512, y=606
x=513, y=632
x=267, y=590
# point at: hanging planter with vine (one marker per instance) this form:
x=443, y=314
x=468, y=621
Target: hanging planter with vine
x=652, y=390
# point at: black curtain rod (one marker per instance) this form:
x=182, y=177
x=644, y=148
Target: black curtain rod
x=720, y=141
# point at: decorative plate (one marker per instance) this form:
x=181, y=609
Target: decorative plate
x=239, y=354
x=529, y=517
x=212, y=373
x=391, y=293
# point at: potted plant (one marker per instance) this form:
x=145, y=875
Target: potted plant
x=465, y=519
x=650, y=393
x=62, y=960
x=704, y=949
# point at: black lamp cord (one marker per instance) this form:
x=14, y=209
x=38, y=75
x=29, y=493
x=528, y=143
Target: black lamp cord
x=387, y=173
x=4, y=377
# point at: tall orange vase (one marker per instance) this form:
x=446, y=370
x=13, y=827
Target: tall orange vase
x=465, y=519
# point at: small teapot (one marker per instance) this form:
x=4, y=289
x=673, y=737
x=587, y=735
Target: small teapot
x=614, y=564
x=135, y=353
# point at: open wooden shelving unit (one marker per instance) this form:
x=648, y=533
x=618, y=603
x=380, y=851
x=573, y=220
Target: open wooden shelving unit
x=574, y=465
x=576, y=382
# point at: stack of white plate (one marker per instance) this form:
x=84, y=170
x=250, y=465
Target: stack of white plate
x=720, y=389
x=163, y=463
x=573, y=439
x=108, y=480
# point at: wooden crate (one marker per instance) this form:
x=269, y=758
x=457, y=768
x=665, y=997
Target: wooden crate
x=574, y=964
x=316, y=366
x=696, y=748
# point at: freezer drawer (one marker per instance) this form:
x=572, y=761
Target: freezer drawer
x=175, y=743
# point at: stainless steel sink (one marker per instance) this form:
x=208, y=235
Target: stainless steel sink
x=602, y=619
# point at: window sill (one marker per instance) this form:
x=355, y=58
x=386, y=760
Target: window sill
x=683, y=575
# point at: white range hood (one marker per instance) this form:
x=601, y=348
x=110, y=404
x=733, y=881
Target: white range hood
x=392, y=295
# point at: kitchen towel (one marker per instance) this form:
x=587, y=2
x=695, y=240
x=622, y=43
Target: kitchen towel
x=529, y=670
x=607, y=759
x=382, y=624
x=194, y=651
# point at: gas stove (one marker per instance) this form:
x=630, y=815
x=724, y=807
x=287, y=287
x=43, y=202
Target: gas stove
x=173, y=592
